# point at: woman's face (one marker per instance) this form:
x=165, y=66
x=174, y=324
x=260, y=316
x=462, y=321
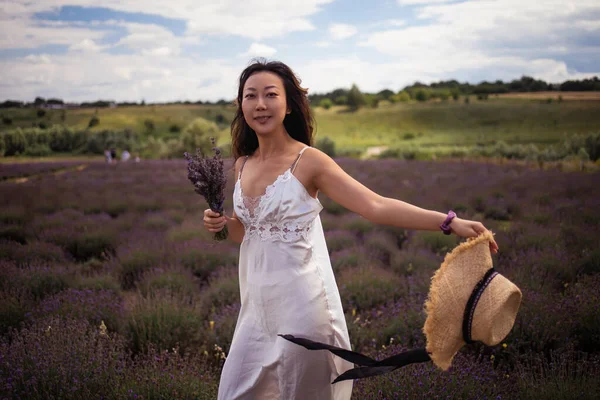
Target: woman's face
x=264, y=102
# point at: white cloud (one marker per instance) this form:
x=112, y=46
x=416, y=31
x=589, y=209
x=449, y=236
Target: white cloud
x=255, y=19
x=91, y=76
x=395, y=22
x=421, y=2
x=259, y=50
x=25, y=33
x=500, y=39
x=496, y=36
x=86, y=45
x=342, y=31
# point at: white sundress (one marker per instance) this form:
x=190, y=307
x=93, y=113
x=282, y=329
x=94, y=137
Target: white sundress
x=287, y=286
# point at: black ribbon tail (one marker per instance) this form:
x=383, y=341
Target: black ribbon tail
x=349, y=355
x=386, y=365
x=372, y=367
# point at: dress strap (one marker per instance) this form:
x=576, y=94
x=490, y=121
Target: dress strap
x=293, y=167
x=242, y=168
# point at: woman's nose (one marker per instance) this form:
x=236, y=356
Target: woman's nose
x=260, y=104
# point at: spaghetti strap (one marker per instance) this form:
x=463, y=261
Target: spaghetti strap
x=242, y=168
x=293, y=166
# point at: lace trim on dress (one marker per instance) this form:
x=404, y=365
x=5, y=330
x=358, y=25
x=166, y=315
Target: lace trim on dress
x=284, y=232
x=250, y=208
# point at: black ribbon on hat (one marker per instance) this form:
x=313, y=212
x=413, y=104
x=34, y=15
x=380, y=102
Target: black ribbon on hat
x=371, y=367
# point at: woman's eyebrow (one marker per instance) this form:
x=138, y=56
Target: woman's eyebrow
x=266, y=87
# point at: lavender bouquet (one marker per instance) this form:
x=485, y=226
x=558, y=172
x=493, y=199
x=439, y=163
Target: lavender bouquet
x=208, y=177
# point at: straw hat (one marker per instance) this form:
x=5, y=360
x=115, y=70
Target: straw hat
x=468, y=301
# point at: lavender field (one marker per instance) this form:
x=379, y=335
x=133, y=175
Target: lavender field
x=110, y=287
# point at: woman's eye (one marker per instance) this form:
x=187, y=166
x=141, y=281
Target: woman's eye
x=249, y=95
x=272, y=94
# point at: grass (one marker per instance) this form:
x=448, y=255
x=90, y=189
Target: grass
x=443, y=126
x=451, y=124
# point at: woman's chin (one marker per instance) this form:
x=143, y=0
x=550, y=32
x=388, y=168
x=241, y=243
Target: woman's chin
x=264, y=130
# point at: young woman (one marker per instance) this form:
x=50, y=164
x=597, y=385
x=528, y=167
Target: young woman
x=287, y=284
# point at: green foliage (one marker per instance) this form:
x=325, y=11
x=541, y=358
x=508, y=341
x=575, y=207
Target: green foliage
x=341, y=100
x=421, y=95
x=327, y=146
x=149, y=125
x=99, y=141
x=347, y=258
x=381, y=246
x=40, y=283
x=14, y=305
x=135, y=265
x=94, y=121
x=98, y=282
x=196, y=135
x=13, y=216
x=401, y=153
x=203, y=263
x=15, y=233
x=221, y=292
x=38, y=150
x=14, y=142
x=164, y=321
x=359, y=225
x=408, y=263
x=355, y=98
x=326, y=103
x=402, y=96
x=365, y=288
x=565, y=375
x=339, y=240
x=176, y=283
x=87, y=245
x=436, y=241
x=157, y=222
x=584, y=146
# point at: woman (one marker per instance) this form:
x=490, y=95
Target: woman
x=287, y=284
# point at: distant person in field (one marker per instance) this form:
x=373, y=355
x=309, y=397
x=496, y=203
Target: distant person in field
x=125, y=155
x=287, y=285
x=107, y=156
x=113, y=154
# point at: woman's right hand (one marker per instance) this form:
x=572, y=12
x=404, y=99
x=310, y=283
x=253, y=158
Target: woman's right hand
x=213, y=222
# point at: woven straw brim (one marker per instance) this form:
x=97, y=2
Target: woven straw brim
x=451, y=287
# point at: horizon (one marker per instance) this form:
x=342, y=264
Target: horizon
x=51, y=98
x=195, y=50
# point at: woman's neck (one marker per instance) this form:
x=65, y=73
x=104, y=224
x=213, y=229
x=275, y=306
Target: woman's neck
x=273, y=144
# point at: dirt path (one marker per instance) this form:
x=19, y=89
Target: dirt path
x=56, y=172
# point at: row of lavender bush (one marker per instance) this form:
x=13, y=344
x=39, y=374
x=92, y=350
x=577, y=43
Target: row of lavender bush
x=111, y=288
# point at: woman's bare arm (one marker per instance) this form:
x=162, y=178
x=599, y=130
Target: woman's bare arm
x=336, y=184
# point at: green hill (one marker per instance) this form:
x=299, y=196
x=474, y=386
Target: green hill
x=433, y=126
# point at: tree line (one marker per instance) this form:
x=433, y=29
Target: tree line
x=354, y=98
x=449, y=89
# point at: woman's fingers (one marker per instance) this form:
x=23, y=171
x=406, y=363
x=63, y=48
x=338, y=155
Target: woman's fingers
x=479, y=228
x=213, y=222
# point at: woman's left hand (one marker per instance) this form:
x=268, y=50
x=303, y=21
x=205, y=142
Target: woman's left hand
x=466, y=228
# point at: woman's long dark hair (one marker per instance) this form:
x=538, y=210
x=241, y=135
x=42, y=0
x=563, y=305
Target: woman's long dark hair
x=299, y=123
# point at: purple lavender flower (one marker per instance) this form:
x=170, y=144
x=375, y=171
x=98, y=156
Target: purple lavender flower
x=209, y=180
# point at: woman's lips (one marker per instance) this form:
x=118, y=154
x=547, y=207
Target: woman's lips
x=262, y=120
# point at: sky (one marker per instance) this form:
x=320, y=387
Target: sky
x=178, y=50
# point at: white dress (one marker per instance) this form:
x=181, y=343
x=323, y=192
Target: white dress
x=287, y=286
